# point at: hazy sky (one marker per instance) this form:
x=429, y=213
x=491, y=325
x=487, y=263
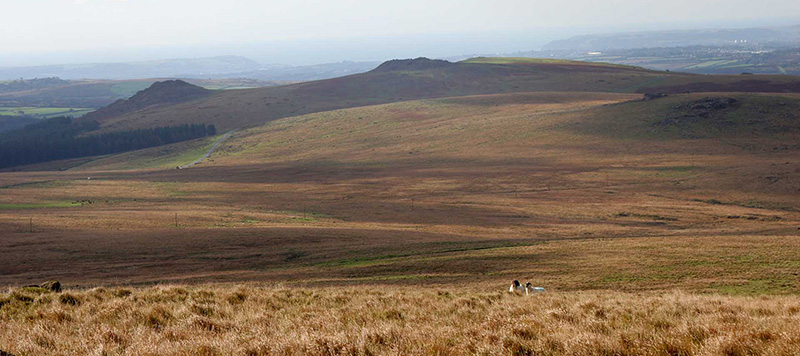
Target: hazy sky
x=32, y=27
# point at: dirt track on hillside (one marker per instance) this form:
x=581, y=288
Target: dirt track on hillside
x=210, y=150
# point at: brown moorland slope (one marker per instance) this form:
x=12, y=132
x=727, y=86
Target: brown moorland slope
x=404, y=80
x=438, y=190
x=666, y=226
x=158, y=94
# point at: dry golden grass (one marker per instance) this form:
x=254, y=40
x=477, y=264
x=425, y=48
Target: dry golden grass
x=259, y=320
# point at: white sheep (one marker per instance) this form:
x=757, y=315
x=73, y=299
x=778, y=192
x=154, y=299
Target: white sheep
x=530, y=289
x=527, y=288
x=516, y=287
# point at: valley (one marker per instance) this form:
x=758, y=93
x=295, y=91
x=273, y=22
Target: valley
x=454, y=176
x=394, y=207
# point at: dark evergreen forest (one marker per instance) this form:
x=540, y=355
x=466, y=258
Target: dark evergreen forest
x=62, y=138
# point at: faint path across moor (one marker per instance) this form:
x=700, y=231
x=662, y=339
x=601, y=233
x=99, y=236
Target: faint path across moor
x=210, y=150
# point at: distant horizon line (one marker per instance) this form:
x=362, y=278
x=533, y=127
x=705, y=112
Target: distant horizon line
x=538, y=38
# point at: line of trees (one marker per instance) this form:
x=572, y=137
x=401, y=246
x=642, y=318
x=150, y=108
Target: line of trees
x=62, y=138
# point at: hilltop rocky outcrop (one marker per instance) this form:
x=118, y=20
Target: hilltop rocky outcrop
x=420, y=63
x=168, y=91
x=160, y=93
x=698, y=111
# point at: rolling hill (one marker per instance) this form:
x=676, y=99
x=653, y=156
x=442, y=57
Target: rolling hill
x=422, y=78
x=98, y=93
x=167, y=68
x=642, y=216
x=410, y=188
x=158, y=94
x=789, y=35
x=408, y=192
x=91, y=94
x=222, y=67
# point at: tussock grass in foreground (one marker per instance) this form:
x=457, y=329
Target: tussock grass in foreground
x=245, y=320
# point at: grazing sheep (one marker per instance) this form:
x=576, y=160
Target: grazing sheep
x=516, y=287
x=530, y=289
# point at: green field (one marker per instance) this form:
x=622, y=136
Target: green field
x=44, y=112
x=722, y=63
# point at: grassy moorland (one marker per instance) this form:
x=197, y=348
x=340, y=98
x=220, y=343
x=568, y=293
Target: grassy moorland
x=405, y=80
x=249, y=320
x=161, y=157
x=667, y=226
x=372, y=192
